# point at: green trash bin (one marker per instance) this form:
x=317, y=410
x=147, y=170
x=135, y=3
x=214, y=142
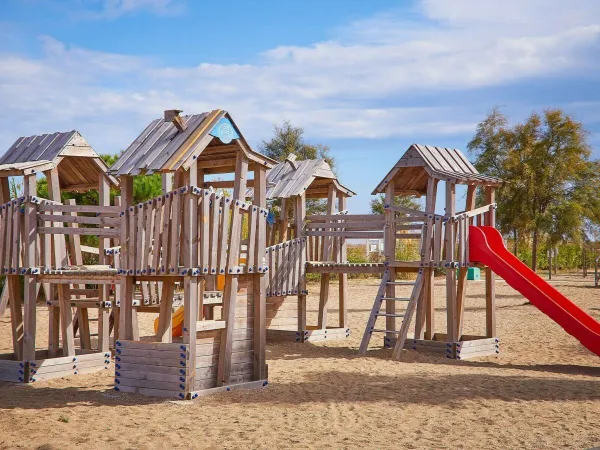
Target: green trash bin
x=473, y=273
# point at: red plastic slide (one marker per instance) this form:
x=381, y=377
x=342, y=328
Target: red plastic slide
x=486, y=246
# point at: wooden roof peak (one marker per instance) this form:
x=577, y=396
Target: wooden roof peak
x=174, y=142
x=78, y=162
x=421, y=162
x=291, y=178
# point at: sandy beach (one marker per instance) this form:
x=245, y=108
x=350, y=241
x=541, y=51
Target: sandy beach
x=542, y=391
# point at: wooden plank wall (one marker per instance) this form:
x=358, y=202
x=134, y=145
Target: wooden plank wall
x=155, y=228
x=286, y=267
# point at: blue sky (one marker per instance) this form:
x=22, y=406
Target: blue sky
x=365, y=78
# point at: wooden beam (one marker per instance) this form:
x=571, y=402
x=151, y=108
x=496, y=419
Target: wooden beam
x=258, y=279
x=425, y=320
x=389, y=244
x=327, y=249
x=127, y=285
x=343, y=277
x=231, y=279
x=451, y=312
x=29, y=241
x=463, y=271
x=300, y=220
x=103, y=294
x=490, y=277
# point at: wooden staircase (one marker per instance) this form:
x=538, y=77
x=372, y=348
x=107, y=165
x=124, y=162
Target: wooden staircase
x=386, y=295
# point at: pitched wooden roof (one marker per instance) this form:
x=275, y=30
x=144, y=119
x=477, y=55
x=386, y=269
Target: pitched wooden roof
x=166, y=146
x=291, y=178
x=79, y=166
x=420, y=162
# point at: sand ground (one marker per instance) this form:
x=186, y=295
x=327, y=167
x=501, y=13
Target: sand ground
x=542, y=391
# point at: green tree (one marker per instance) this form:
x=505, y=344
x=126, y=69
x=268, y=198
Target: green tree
x=288, y=139
x=551, y=185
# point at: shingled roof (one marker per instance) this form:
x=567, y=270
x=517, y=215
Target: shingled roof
x=174, y=142
x=79, y=165
x=420, y=162
x=313, y=176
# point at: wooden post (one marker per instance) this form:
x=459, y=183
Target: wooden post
x=14, y=292
x=104, y=243
x=300, y=219
x=451, y=317
x=425, y=320
x=327, y=248
x=128, y=282
x=192, y=289
x=29, y=245
x=231, y=278
x=389, y=246
x=343, y=277
x=54, y=249
x=490, y=278
x=283, y=221
x=463, y=271
x=259, y=296
x=167, y=182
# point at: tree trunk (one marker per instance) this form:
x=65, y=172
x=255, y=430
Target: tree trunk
x=516, y=243
x=534, y=250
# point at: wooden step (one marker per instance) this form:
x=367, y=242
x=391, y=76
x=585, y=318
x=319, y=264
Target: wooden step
x=397, y=299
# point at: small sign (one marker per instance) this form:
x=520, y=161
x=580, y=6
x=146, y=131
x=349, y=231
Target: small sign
x=225, y=131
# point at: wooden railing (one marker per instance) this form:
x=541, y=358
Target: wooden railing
x=11, y=229
x=333, y=230
x=161, y=238
x=435, y=227
x=286, y=268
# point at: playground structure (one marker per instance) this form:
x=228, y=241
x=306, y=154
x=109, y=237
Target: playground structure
x=209, y=237
x=297, y=238
x=33, y=246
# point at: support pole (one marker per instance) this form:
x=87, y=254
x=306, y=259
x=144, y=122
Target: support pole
x=29, y=241
x=490, y=277
x=104, y=243
x=300, y=218
x=231, y=278
x=128, y=281
x=425, y=320
x=343, y=277
x=463, y=271
x=259, y=292
x=327, y=249
x=451, y=313
x=389, y=247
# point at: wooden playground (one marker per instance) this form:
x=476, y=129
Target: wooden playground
x=241, y=272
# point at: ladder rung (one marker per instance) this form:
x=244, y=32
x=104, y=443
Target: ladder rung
x=384, y=331
x=398, y=299
x=389, y=315
x=401, y=283
x=93, y=319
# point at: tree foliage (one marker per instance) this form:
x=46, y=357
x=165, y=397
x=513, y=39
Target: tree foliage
x=551, y=188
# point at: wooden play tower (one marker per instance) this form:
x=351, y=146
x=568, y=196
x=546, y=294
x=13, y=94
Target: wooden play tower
x=40, y=246
x=191, y=235
x=444, y=245
x=300, y=242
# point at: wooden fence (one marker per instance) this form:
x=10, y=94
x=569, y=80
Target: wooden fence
x=158, y=242
x=331, y=231
x=287, y=267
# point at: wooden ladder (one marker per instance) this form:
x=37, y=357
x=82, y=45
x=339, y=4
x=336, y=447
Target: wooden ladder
x=379, y=310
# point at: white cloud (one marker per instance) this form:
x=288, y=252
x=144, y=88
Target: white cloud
x=335, y=88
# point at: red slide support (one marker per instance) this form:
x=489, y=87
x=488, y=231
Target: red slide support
x=486, y=246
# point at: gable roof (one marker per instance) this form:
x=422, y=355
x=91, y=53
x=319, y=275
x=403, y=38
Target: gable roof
x=79, y=164
x=421, y=162
x=291, y=178
x=165, y=147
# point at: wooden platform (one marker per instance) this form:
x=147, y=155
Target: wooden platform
x=468, y=347
x=311, y=334
x=44, y=368
x=333, y=267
